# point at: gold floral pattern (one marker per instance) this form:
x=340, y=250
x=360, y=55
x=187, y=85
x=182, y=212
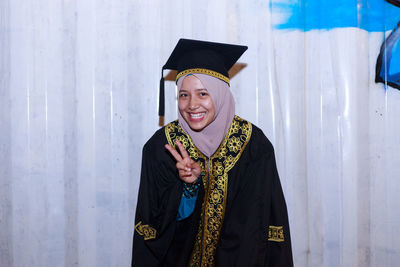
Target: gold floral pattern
x=183, y=140
x=234, y=144
x=145, y=230
x=235, y=127
x=275, y=233
x=215, y=183
x=218, y=168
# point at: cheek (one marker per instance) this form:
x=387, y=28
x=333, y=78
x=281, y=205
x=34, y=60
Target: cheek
x=181, y=105
x=210, y=107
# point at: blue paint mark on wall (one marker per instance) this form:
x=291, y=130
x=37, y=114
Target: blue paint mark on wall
x=305, y=15
x=388, y=63
x=395, y=54
x=395, y=65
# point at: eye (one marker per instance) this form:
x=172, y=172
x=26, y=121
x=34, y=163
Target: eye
x=182, y=95
x=203, y=93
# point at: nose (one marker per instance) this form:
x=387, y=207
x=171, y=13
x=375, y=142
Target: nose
x=194, y=104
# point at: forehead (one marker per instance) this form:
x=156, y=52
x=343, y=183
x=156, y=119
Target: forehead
x=192, y=83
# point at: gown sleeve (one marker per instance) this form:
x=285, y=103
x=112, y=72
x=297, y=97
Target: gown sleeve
x=279, y=251
x=159, y=195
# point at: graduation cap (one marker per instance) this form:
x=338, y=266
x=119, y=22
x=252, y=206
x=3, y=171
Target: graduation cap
x=194, y=56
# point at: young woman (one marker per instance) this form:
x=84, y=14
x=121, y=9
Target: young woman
x=209, y=192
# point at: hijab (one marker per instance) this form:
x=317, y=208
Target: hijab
x=208, y=139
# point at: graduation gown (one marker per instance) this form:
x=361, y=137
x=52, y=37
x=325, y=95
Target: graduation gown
x=240, y=217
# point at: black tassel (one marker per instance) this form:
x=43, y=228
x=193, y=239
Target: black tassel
x=161, y=102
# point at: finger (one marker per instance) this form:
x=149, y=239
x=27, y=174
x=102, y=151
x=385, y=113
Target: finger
x=195, y=170
x=187, y=174
x=193, y=164
x=173, y=152
x=183, y=151
x=195, y=167
x=181, y=166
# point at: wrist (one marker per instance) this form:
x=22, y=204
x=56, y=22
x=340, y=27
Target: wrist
x=192, y=188
x=197, y=180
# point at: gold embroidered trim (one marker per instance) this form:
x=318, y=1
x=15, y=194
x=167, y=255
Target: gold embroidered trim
x=203, y=71
x=215, y=183
x=275, y=233
x=145, y=230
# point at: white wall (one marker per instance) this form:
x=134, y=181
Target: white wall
x=78, y=99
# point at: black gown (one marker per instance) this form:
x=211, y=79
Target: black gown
x=240, y=217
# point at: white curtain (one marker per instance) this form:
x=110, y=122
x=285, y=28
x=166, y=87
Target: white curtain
x=78, y=99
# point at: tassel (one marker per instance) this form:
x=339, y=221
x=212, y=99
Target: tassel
x=161, y=102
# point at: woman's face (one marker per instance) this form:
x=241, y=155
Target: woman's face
x=195, y=103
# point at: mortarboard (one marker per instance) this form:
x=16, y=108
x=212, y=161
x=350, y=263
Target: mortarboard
x=194, y=56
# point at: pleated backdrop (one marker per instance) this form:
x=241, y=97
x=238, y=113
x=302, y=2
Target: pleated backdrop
x=79, y=97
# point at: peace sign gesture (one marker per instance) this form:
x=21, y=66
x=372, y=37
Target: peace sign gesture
x=188, y=169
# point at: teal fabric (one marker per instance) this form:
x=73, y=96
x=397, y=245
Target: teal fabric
x=186, y=207
x=188, y=200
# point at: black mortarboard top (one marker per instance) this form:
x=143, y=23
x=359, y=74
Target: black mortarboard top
x=194, y=56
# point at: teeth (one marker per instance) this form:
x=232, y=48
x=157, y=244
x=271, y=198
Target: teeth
x=197, y=115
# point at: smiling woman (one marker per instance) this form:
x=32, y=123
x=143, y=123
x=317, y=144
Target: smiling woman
x=195, y=103
x=209, y=190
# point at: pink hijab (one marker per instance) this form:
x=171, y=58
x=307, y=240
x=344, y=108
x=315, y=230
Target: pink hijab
x=209, y=139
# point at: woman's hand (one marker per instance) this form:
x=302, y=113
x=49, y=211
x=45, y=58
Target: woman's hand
x=188, y=169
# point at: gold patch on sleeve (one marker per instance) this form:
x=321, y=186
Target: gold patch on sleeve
x=275, y=233
x=145, y=230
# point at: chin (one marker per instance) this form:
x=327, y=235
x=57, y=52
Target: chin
x=197, y=125
x=196, y=129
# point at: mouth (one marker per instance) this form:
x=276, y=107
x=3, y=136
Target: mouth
x=197, y=116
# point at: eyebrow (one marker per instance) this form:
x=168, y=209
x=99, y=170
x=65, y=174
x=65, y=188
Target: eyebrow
x=199, y=89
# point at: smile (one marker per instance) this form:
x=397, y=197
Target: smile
x=197, y=116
